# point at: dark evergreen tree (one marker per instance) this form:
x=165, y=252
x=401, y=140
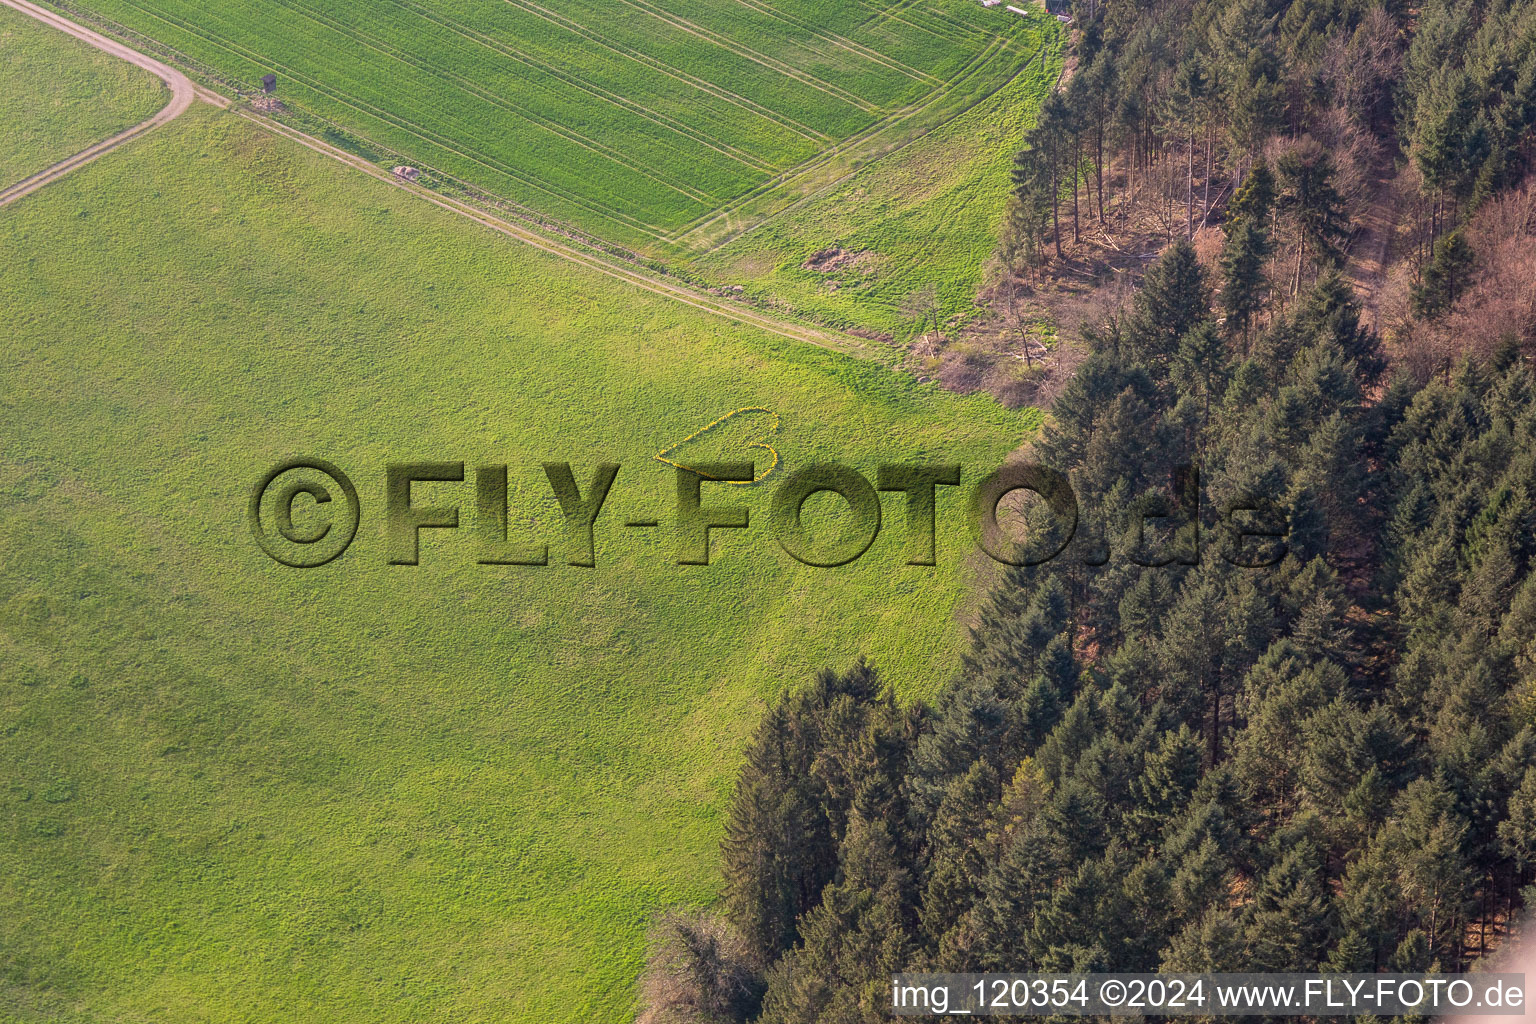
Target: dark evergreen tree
x=1445, y=277
x=859, y=935
x=1312, y=204
x=1172, y=300
x=1244, y=285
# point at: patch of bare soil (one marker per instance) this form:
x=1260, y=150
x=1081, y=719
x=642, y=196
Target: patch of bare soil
x=1028, y=340
x=1010, y=350
x=836, y=260
x=1106, y=244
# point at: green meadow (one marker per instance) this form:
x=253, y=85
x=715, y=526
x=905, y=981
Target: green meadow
x=925, y=216
x=236, y=791
x=59, y=95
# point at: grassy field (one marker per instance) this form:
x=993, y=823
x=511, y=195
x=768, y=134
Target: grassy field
x=235, y=791
x=635, y=120
x=927, y=215
x=58, y=95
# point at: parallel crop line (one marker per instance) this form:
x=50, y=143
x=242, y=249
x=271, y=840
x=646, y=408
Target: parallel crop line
x=893, y=14
x=726, y=211
x=787, y=70
x=782, y=120
x=953, y=22
x=410, y=128
x=380, y=46
x=1038, y=54
x=725, y=149
x=843, y=42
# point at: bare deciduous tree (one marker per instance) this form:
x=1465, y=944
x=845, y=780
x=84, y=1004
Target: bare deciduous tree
x=698, y=972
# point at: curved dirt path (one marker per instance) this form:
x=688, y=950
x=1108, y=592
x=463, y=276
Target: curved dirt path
x=182, y=94
x=619, y=271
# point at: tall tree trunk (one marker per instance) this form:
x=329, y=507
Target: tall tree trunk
x=1168, y=193
x=1099, y=165
x=1205, y=201
x=1077, y=168
x=1189, y=192
x=1055, y=203
x=1482, y=922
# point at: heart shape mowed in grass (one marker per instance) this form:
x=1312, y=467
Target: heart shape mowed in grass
x=724, y=440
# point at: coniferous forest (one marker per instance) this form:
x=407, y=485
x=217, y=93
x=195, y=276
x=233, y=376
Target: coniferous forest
x=1273, y=706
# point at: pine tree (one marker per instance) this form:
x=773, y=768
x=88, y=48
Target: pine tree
x=779, y=846
x=1144, y=921
x=1352, y=749
x=1313, y=204
x=1290, y=924
x=1209, y=944
x=956, y=859
x=859, y=935
x=1424, y=837
x=1517, y=833
x=1201, y=368
x=1200, y=881
x=1023, y=877
x=1027, y=215
x=1168, y=777
x=1244, y=285
x=1186, y=100
x=1255, y=99
x=1268, y=754
x=1445, y=277
x=1043, y=164
x=1371, y=905
x=1350, y=955
x=966, y=725
x=793, y=798
x=1254, y=200
x=1172, y=300
x=1073, y=926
